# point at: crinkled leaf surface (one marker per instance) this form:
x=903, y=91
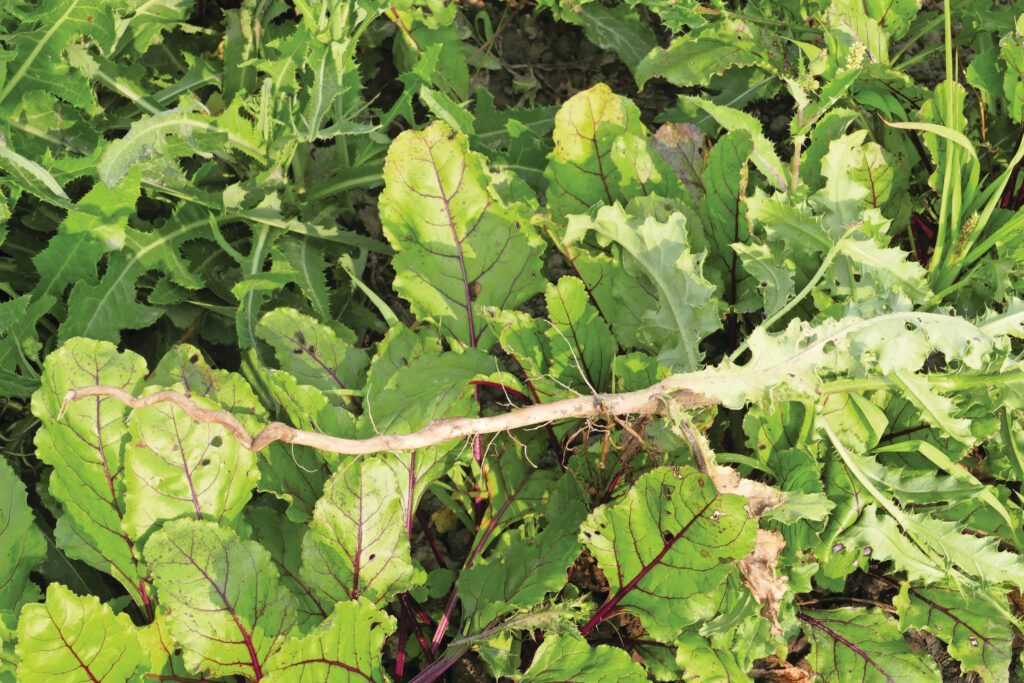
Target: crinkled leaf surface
x=680, y=309
x=979, y=558
x=94, y=227
x=666, y=547
x=851, y=644
x=177, y=467
x=72, y=638
x=347, y=646
x=37, y=50
x=22, y=544
x=86, y=450
x=570, y=658
x=459, y=246
x=102, y=310
x=357, y=544
x=885, y=343
x=223, y=598
x=696, y=57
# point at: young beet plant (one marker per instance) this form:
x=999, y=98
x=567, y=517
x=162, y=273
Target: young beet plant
x=307, y=552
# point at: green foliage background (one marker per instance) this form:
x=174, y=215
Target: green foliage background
x=213, y=198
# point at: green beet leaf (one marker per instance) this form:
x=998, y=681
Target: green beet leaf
x=570, y=658
x=582, y=346
x=222, y=597
x=358, y=544
x=71, y=638
x=283, y=540
x=86, y=447
x=519, y=575
x=579, y=171
x=348, y=646
x=23, y=544
x=459, y=247
x=666, y=547
x=724, y=214
x=314, y=353
x=851, y=644
x=703, y=662
x=973, y=626
x=176, y=467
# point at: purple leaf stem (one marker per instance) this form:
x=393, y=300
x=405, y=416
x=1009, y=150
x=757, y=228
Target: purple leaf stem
x=839, y=639
x=418, y=610
x=437, y=669
x=610, y=605
x=409, y=612
x=403, y=624
x=425, y=525
x=442, y=625
x=499, y=385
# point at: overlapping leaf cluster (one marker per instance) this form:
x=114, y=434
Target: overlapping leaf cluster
x=845, y=289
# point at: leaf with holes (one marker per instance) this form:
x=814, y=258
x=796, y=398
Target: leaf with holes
x=358, y=544
x=85, y=447
x=973, y=626
x=666, y=547
x=176, y=467
x=222, y=597
x=852, y=644
x=315, y=354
